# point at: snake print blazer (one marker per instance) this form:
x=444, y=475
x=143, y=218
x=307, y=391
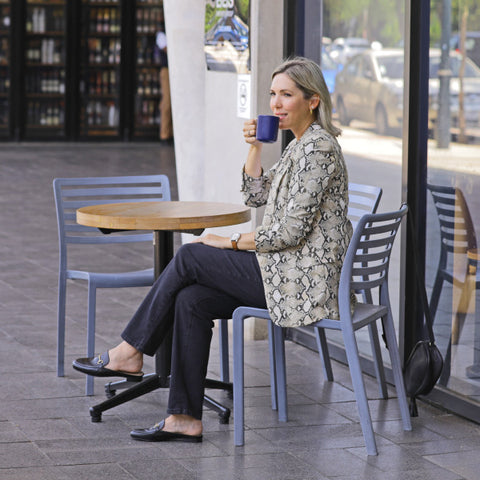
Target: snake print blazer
x=305, y=231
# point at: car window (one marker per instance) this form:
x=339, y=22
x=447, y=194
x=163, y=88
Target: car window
x=470, y=70
x=391, y=67
x=353, y=68
x=366, y=69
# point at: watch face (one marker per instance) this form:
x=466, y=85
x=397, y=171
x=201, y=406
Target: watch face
x=235, y=237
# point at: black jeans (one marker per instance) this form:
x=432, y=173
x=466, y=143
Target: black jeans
x=199, y=285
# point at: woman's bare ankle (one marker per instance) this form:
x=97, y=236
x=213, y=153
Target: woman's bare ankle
x=183, y=424
x=125, y=358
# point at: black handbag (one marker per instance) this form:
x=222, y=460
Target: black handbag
x=425, y=362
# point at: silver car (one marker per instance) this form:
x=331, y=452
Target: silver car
x=370, y=88
x=471, y=92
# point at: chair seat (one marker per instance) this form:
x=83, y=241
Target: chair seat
x=114, y=280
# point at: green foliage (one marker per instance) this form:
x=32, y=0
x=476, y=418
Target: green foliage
x=243, y=9
x=376, y=20
x=457, y=7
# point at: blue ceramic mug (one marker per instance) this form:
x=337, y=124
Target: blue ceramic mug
x=267, y=128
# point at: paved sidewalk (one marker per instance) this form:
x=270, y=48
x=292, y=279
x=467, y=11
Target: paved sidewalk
x=45, y=427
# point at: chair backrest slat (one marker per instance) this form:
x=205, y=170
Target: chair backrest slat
x=362, y=199
x=368, y=256
x=74, y=193
x=457, y=232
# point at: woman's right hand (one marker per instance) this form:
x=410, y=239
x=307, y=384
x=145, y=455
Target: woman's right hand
x=250, y=132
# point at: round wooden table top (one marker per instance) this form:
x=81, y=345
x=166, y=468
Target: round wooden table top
x=175, y=216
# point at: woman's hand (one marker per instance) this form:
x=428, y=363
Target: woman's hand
x=250, y=132
x=253, y=165
x=213, y=241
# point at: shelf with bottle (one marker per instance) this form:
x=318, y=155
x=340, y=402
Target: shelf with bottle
x=4, y=49
x=102, y=51
x=100, y=84
x=5, y=18
x=148, y=83
x=4, y=85
x=45, y=18
x=45, y=51
x=45, y=114
x=149, y=17
x=45, y=82
x=101, y=3
x=147, y=53
x=4, y=112
x=147, y=116
x=100, y=117
x=103, y=19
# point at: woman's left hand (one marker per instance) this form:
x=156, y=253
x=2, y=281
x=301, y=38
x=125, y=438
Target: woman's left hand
x=214, y=241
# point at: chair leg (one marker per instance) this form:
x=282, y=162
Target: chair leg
x=473, y=371
x=377, y=360
x=353, y=359
x=62, y=292
x=280, y=370
x=238, y=379
x=92, y=300
x=223, y=347
x=322, y=347
x=462, y=309
x=273, y=371
x=436, y=290
x=397, y=372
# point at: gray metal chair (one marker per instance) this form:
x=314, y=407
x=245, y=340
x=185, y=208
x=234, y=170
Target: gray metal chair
x=362, y=199
x=365, y=269
x=73, y=193
x=457, y=240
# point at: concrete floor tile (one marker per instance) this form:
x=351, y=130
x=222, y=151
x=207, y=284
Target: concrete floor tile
x=21, y=454
x=45, y=426
x=35, y=473
x=156, y=469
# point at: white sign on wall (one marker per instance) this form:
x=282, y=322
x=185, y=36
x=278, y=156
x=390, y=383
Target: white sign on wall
x=243, y=96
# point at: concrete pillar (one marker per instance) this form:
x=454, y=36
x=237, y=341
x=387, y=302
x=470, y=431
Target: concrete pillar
x=209, y=146
x=186, y=65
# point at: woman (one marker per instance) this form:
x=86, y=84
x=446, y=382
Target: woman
x=291, y=263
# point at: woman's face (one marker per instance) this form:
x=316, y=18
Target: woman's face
x=288, y=103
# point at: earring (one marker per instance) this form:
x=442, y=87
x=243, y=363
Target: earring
x=311, y=111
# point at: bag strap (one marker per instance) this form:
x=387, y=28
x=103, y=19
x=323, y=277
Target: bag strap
x=421, y=280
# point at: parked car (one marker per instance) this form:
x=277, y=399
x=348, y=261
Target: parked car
x=342, y=49
x=472, y=45
x=370, y=88
x=471, y=90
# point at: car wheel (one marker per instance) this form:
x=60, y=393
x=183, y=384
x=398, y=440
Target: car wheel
x=342, y=112
x=381, y=120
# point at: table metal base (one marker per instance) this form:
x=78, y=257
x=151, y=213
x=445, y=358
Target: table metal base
x=150, y=383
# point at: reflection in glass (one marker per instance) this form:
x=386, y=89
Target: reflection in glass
x=453, y=210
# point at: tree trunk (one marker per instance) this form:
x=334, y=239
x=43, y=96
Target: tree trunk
x=462, y=135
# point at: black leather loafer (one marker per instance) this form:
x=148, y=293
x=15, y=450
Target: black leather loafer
x=95, y=366
x=156, y=434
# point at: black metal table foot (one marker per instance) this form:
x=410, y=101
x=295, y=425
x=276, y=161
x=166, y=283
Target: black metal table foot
x=151, y=383
x=223, y=412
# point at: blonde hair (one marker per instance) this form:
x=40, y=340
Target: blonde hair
x=308, y=77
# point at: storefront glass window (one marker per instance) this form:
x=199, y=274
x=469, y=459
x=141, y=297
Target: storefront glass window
x=362, y=61
x=453, y=203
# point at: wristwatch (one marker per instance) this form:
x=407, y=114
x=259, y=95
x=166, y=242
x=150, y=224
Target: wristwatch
x=234, y=239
